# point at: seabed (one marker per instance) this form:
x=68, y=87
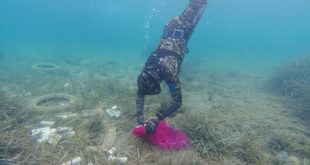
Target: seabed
x=228, y=115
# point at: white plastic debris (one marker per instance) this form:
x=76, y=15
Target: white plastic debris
x=112, y=151
x=66, y=115
x=65, y=131
x=113, y=112
x=118, y=160
x=75, y=161
x=47, y=123
x=66, y=85
x=46, y=134
x=88, y=112
x=53, y=139
x=38, y=132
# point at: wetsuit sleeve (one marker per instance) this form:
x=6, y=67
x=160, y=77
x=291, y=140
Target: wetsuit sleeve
x=176, y=100
x=139, y=103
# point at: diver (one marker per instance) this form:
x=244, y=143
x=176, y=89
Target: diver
x=165, y=62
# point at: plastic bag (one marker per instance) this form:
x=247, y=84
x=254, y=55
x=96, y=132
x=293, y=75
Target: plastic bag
x=165, y=137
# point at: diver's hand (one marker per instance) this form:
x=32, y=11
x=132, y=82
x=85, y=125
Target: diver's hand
x=151, y=125
x=140, y=120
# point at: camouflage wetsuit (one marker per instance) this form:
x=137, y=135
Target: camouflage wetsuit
x=165, y=62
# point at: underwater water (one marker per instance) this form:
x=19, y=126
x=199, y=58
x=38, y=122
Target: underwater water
x=90, y=52
x=249, y=28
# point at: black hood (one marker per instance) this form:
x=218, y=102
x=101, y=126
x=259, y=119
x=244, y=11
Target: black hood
x=147, y=84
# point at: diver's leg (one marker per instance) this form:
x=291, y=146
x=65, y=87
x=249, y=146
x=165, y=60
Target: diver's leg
x=194, y=10
x=179, y=29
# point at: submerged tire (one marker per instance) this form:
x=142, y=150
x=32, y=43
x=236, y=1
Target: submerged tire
x=53, y=103
x=45, y=67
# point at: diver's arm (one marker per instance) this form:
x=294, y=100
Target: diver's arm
x=139, y=106
x=176, y=101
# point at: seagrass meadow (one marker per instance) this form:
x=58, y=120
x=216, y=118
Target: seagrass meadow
x=68, y=82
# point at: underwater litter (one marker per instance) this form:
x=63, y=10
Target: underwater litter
x=45, y=67
x=53, y=103
x=46, y=133
x=164, y=137
x=66, y=116
x=54, y=132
